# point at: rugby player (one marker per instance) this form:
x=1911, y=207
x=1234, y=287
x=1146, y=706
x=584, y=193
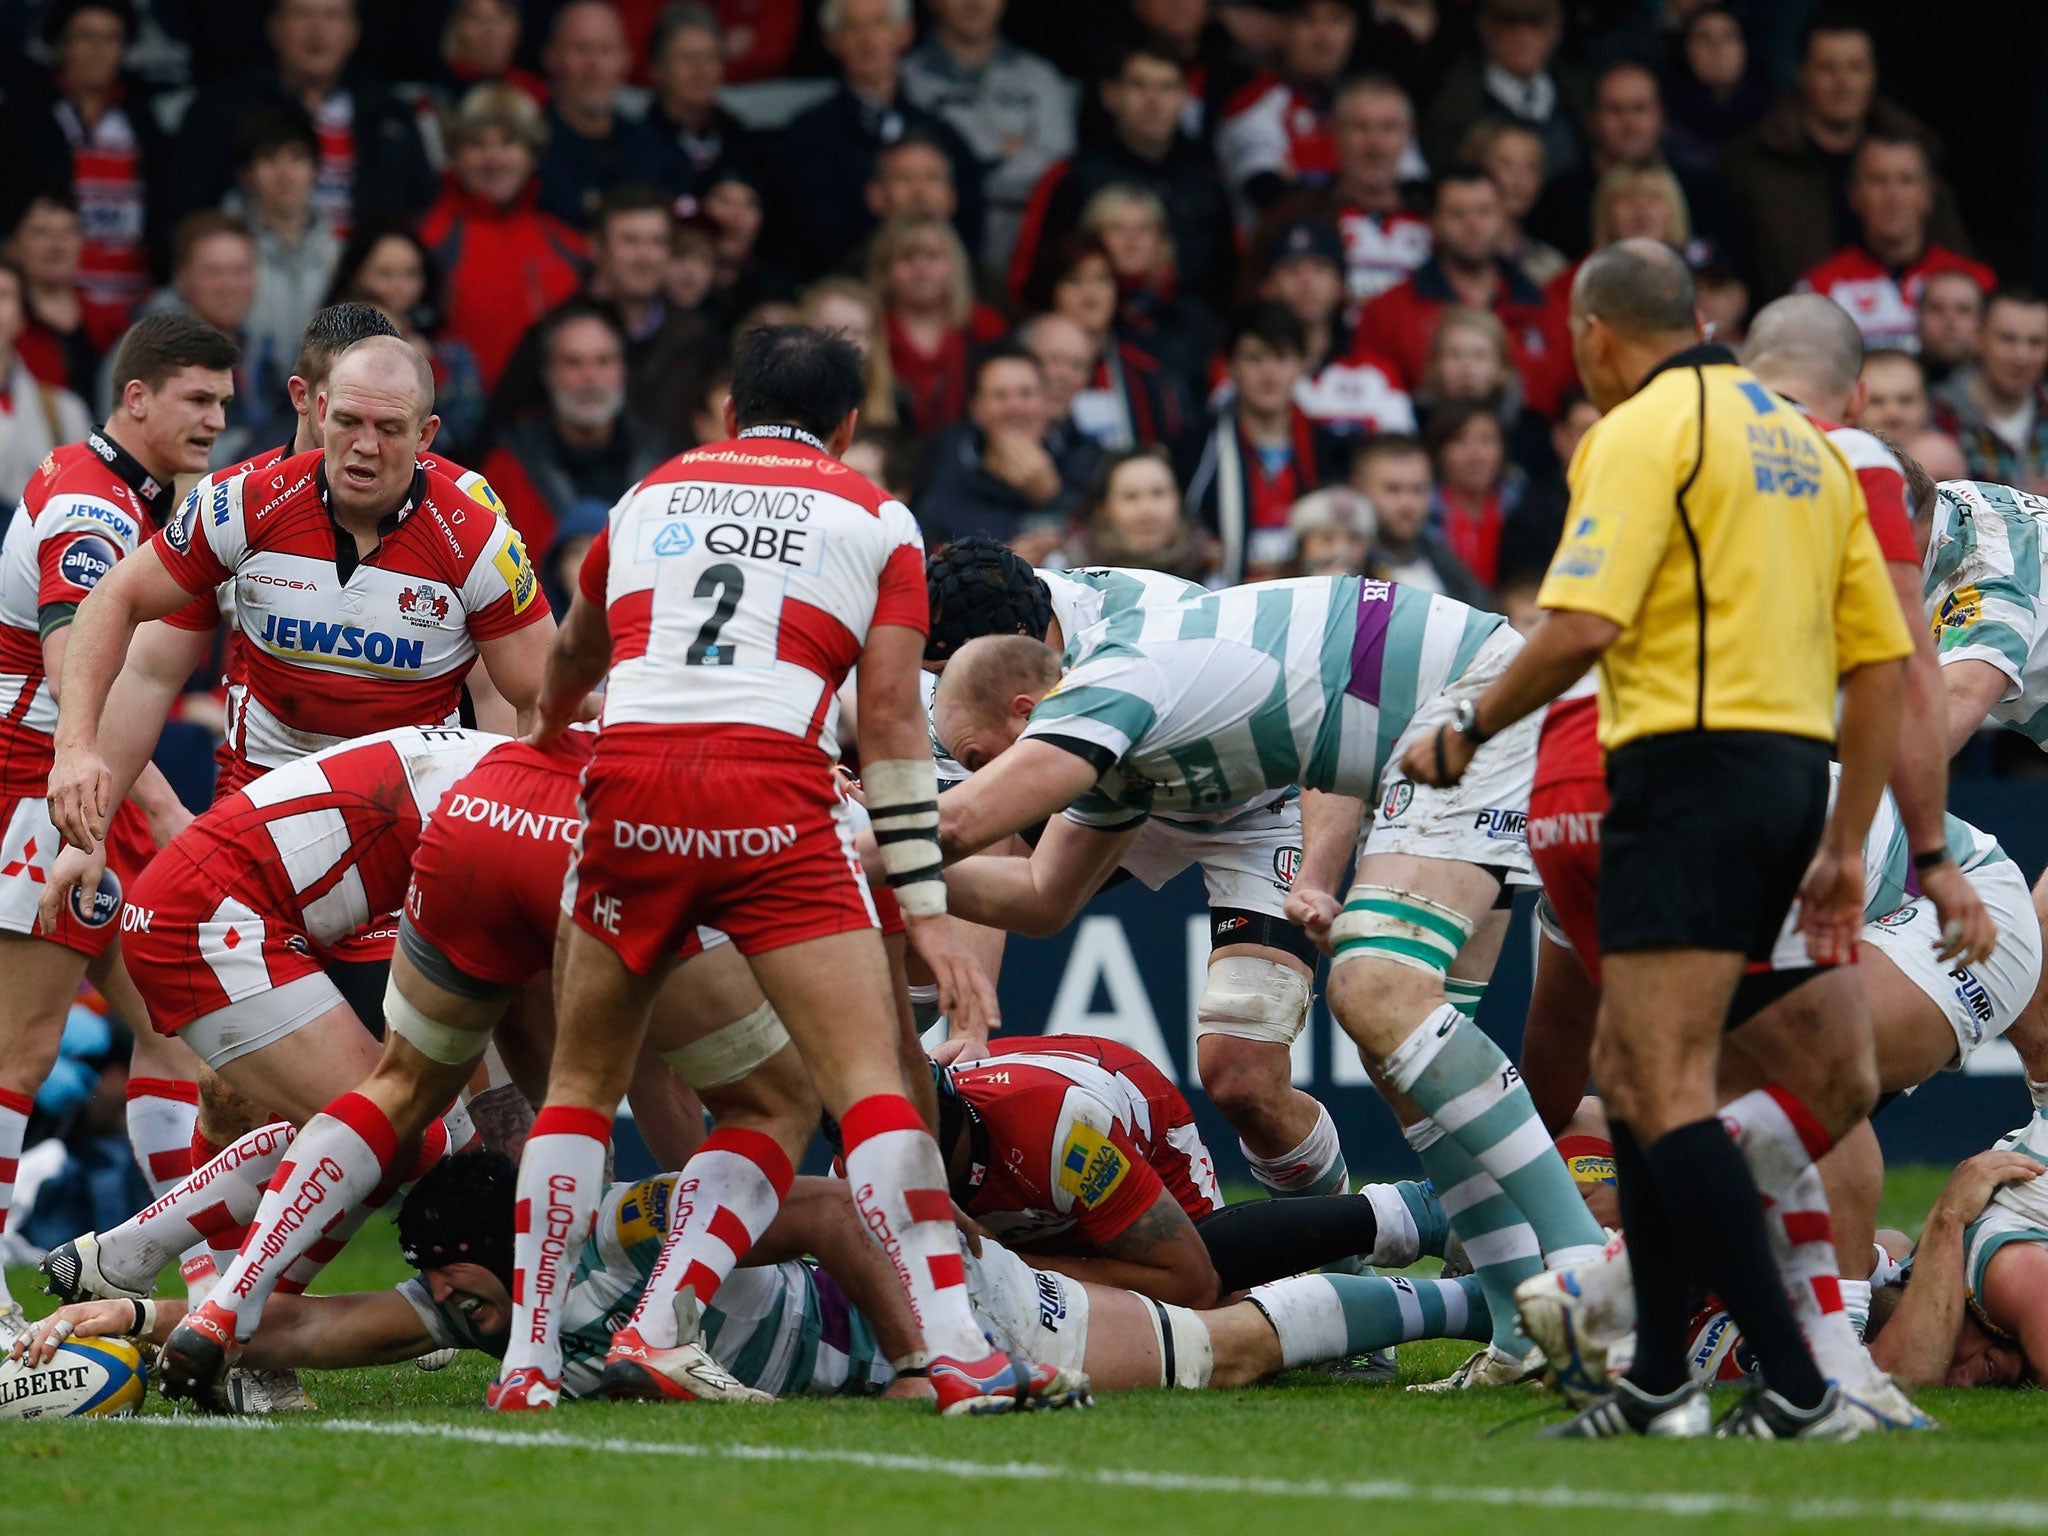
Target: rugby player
x=1255, y=998
x=729, y=596
x=786, y=1328
x=1223, y=700
x=86, y=508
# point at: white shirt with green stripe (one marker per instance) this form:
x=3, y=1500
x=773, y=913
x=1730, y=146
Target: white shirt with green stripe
x=1982, y=583
x=1888, y=882
x=1204, y=707
x=2017, y=1213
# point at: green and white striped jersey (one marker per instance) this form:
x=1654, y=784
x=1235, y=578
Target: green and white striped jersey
x=785, y=1328
x=1982, y=582
x=1888, y=882
x=1206, y=705
x=2017, y=1213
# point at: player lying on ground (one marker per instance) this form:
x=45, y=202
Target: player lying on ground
x=794, y=1327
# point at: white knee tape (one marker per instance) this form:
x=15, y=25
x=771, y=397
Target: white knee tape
x=1253, y=999
x=1186, y=1356
x=1380, y=922
x=436, y=1042
x=729, y=1054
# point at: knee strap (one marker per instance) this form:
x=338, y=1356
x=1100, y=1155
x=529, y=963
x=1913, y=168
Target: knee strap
x=1380, y=922
x=726, y=1055
x=435, y=1041
x=1252, y=999
x=1186, y=1356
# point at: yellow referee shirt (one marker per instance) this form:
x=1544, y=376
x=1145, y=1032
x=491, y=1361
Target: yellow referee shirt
x=1726, y=536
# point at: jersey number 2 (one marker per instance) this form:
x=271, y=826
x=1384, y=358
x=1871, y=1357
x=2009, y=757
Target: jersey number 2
x=730, y=583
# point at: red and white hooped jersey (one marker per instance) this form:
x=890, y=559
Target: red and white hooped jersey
x=740, y=581
x=1381, y=251
x=1883, y=479
x=1074, y=1145
x=467, y=481
x=1884, y=301
x=86, y=506
x=325, y=843
x=1356, y=392
x=326, y=651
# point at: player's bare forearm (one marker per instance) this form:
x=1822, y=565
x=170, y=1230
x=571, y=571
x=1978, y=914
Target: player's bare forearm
x=333, y=1333
x=1032, y=781
x=579, y=655
x=890, y=706
x=1867, y=744
x=161, y=660
x=1159, y=1255
x=666, y=1111
x=1040, y=894
x=1920, y=1340
x=1564, y=643
x=1919, y=780
x=1970, y=689
x=1330, y=824
x=514, y=664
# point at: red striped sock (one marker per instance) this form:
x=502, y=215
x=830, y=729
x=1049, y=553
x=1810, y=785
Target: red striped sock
x=722, y=1202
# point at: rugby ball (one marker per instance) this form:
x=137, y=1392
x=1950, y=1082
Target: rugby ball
x=88, y=1379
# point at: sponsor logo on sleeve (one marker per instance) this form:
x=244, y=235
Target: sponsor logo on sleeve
x=1584, y=550
x=517, y=570
x=1091, y=1167
x=1959, y=610
x=85, y=560
x=178, y=531
x=220, y=505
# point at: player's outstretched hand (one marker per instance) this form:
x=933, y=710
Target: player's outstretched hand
x=73, y=869
x=1968, y=932
x=81, y=796
x=966, y=995
x=1978, y=1178
x=1314, y=911
x=81, y=1320
x=1438, y=758
x=1831, y=906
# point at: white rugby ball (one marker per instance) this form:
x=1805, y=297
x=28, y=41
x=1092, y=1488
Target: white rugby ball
x=88, y=1379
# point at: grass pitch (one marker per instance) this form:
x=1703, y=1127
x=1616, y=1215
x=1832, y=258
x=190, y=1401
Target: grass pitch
x=400, y=1451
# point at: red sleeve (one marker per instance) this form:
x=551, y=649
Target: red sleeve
x=1885, y=490
x=597, y=564
x=1129, y=1186
x=902, y=597
x=70, y=563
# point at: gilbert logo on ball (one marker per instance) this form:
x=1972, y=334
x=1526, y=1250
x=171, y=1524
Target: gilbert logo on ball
x=88, y=1379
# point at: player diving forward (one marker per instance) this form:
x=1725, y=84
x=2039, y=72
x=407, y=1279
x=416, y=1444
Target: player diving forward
x=1316, y=682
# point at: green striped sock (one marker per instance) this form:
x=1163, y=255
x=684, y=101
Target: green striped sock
x=1500, y=1244
x=1461, y=1080
x=1380, y=1313
x=1464, y=995
x=1427, y=936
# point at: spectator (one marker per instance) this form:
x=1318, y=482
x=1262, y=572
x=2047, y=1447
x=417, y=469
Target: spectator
x=391, y=269
x=696, y=135
x=912, y=175
x=56, y=340
x=1393, y=472
x=1510, y=76
x=505, y=262
x=372, y=165
x=1415, y=41
x=692, y=271
x=760, y=36
x=1275, y=135
x=886, y=456
x=1639, y=199
x=1066, y=361
x=480, y=46
x=741, y=279
x=1950, y=320
x=1009, y=471
x=1789, y=174
x=1529, y=538
x=1719, y=294
x=1512, y=154
x=1343, y=389
x=88, y=133
x=1880, y=278
x=1470, y=361
x=1466, y=232
x=592, y=146
x=1133, y=517
x=919, y=268
x=827, y=154
x=1997, y=409
x=1477, y=489
x=1189, y=30
x=1013, y=109
x=1372, y=127
x=1131, y=399
x=848, y=306
x=1261, y=454
x=1152, y=309
x=34, y=417
x=1898, y=408
x=668, y=350
x=1332, y=532
x=1713, y=89
x=1145, y=92
x=585, y=447
x=276, y=161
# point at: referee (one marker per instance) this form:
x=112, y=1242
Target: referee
x=1719, y=566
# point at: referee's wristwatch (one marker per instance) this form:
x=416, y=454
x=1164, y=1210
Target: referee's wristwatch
x=1465, y=721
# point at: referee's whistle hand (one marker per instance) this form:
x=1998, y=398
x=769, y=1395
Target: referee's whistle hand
x=1438, y=759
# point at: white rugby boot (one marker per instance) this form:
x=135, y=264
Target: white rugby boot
x=1577, y=1314
x=1489, y=1366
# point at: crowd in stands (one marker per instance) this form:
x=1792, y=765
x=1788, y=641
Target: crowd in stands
x=1236, y=290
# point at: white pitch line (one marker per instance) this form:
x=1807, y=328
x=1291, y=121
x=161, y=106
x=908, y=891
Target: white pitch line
x=2018, y=1514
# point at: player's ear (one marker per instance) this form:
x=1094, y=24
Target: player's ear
x=1021, y=707
x=732, y=418
x=427, y=430
x=301, y=394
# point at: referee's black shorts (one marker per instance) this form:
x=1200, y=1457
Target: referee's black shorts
x=1707, y=836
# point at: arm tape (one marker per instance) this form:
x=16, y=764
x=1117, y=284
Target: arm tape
x=903, y=806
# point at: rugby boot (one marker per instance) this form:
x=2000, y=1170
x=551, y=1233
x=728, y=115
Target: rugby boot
x=687, y=1373
x=1629, y=1410
x=993, y=1384
x=1763, y=1415
x=524, y=1391
x=195, y=1360
x=71, y=1273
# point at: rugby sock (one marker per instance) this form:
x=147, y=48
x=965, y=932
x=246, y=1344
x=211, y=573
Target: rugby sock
x=1316, y=1167
x=1698, y=1169
x=1412, y=1224
x=213, y=1205
x=1856, y=1303
x=1454, y=1071
x=1333, y=1317
x=1257, y=1240
x=561, y=1181
x=1781, y=1141
x=724, y=1199
x=1501, y=1245
x=1465, y=996
x=162, y=1113
x=14, y=1111
x=1663, y=1295
x=899, y=1188
x=434, y=1145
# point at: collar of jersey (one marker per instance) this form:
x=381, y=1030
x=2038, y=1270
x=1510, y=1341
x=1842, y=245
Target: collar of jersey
x=156, y=498
x=415, y=496
x=787, y=434
x=1707, y=354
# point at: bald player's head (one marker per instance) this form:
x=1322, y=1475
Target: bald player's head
x=1807, y=348
x=376, y=417
x=1632, y=307
x=385, y=364
x=987, y=693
